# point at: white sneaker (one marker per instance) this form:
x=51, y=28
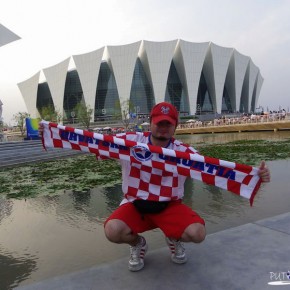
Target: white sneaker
x=177, y=251
x=136, y=262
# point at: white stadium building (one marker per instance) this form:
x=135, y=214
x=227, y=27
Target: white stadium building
x=198, y=78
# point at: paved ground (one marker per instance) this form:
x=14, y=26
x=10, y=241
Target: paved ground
x=245, y=257
x=29, y=152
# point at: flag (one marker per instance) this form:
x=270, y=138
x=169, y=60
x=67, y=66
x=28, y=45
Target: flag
x=32, y=128
x=239, y=179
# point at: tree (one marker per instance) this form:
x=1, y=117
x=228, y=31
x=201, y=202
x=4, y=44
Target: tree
x=84, y=114
x=48, y=113
x=126, y=108
x=19, y=118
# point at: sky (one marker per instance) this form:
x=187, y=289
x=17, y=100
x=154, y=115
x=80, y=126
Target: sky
x=53, y=30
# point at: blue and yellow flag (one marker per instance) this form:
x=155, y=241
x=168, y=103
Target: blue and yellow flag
x=32, y=128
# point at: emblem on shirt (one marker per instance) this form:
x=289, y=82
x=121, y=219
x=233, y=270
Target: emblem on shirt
x=141, y=153
x=165, y=110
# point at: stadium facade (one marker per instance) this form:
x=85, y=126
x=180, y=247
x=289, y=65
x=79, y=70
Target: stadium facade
x=198, y=78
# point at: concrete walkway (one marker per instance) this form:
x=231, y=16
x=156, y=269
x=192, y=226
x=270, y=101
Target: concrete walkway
x=29, y=152
x=246, y=257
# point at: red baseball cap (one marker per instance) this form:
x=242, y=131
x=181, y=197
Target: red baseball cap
x=164, y=111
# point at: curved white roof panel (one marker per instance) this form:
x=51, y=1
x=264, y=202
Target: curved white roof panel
x=122, y=61
x=6, y=35
x=156, y=58
x=189, y=60
x=55, y=77
x=88, y=66
x=28, y=90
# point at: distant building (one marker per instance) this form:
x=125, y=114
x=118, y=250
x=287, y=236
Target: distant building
x=6, y=36
x=198, y=78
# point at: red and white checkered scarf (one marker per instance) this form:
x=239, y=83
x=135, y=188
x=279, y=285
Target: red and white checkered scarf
x=237, y=178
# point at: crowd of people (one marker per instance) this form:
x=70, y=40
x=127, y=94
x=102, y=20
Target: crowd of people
x=244, y=119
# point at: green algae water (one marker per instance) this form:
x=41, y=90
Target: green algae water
x=82, y=173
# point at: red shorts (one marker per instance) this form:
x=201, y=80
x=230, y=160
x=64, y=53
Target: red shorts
x=172, y=221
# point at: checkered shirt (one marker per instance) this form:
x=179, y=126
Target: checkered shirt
x=148, y=183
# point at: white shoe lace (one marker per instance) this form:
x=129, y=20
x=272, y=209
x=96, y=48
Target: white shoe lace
x=135, y=250
x=179, y=248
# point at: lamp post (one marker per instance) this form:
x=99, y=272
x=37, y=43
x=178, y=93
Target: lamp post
x=137, y=110
x=199, y=109
x=73, y=114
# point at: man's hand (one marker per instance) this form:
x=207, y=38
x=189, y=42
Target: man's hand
x=264, y=172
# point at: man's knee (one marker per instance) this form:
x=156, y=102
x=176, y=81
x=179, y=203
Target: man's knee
x=195, y=233
x=114, y=230
x=200, y=234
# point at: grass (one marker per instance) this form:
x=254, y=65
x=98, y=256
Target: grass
x=83, y=172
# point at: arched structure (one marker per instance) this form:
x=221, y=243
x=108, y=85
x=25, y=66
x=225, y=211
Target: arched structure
x=198, y=78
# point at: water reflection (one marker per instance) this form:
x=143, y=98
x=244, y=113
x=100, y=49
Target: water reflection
x=113, y=197
x=80, y=209
x=15, y=270
x=212, y=203
x=53, y=235
x=81, y=199
x=5, y=208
